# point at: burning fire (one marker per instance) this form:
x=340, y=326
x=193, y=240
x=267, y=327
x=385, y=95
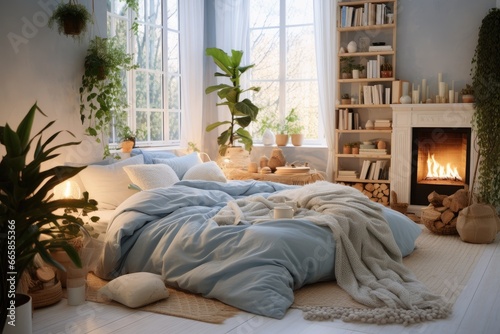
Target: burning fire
x=437, y=171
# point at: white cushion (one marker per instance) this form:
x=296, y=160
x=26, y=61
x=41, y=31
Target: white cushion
x=136, y=290
x=108, y=185
x=181, y=164
x=208, y=171
x=151, y=176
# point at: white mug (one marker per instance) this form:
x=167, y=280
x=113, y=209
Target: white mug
x=283, y=211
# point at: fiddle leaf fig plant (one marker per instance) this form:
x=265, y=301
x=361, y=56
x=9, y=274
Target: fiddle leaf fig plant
x=486, y=119
x=242, y=112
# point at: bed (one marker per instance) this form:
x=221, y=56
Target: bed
x=219, y=239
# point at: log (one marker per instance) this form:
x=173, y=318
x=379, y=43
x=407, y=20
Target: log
x=447, y=216
x=369, y=187
x=459, y=201
x=384, y=186
x=431, y=214
x=436, y=199
x=359, y=186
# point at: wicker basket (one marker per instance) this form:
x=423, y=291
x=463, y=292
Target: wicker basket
x=395, y=205
x=47, y=296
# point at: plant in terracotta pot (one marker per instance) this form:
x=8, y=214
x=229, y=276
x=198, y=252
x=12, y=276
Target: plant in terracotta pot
x=71, y=18
x=355, y=147
x=28, y=209
x=386, y=70
x=467, y=94
x=347, y=149
x=345, y=99
x=294, y=128
x=242, y=112
x=102, y=97
x=346, y=65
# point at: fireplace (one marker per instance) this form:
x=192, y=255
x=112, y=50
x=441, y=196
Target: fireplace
x=440, y=162
x=445, y=134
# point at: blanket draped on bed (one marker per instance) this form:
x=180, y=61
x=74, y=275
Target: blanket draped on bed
x=368, y=263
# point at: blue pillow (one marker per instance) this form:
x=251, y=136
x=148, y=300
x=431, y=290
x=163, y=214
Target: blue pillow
x=404, y=229
x=180, y=165
x=150, y=155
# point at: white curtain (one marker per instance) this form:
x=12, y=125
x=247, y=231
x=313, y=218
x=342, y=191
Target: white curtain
x=324, y=31
x=191, y=16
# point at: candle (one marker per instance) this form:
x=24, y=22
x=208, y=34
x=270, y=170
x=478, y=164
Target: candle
x=451, y=96
x=424, y=90
x=442, y=89
x=440, y=77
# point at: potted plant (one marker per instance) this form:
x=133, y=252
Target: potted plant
x=347, y=149
x=102, y=97
x=486, y=121
x=345, y=99
x=346, y=65
x=355, y=147
x=71, y=18
x=242, y=113
x=386, y=70
x=467, y=94
x=128, y=137
x=294, y=128
x=28, y=209
x=356, y=70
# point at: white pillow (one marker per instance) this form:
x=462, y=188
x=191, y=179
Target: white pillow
x=136, y=290
x=208, y=171
x=108, y=185
x=151, y=176
x=180, y=165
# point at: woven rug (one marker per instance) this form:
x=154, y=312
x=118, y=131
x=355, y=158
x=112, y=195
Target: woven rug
x=179, y=304
x=443, y=263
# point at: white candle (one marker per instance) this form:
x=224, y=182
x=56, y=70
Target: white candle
x=451, y=96
x=406, y=86
x=442, y=89
x=424, y=90
x=440, y=77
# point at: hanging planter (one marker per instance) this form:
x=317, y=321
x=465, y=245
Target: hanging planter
x=71, y=18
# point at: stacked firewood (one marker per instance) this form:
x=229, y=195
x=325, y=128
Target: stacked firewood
x=442, y=212
x=377, y=192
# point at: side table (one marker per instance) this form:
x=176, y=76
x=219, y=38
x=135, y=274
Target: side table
x=293, y=179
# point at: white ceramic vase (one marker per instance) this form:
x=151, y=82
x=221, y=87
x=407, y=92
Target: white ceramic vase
x=268, y=138
x=352, y=47
x=22, y=318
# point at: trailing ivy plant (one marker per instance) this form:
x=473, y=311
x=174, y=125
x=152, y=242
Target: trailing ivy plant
x=103, y=99
x=72, y=19
x=242, y=112
x=486, y=120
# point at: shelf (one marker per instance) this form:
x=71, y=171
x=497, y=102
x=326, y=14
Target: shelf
x=363, y=28
x=366, y=54
x=350, y=81
x=365, y=156
x=361, y=2
x=364, y=131
x=347, y=179
x=361, y=106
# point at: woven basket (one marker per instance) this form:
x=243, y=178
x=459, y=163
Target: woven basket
x=446, y=230
x=395, y=205
x=47, y=296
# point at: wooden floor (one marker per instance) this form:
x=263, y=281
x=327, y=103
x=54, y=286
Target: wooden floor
x=476, y=311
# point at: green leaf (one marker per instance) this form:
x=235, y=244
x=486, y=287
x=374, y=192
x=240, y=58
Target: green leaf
x=211, y=89
x=221, y=59
x=215, y=125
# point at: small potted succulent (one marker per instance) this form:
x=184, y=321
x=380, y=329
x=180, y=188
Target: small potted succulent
x=356, y=70
x=467, y=94
x=345, y=99
x=346, y=66
x=72, y=18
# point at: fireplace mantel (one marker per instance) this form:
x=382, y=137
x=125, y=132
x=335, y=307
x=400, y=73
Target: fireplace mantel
x=429, y=115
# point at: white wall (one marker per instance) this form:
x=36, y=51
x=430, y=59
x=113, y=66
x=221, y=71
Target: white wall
x=39, y=65
x=433, y=36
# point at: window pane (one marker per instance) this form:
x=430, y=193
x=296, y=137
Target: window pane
x=141, y=122
x=300, y=56
x=303, y=96
x=264, y=13
x=117, y=7
x=173, y=93
x=267, y=99
x=265, y=54
x=155, y=91
x=172, y=15
x=141, y=90
x=140, y=50
x=156, y=125
x=155, y=49
x=173, y=52
x=154, y=12
x=174, y=126
x=299, y=12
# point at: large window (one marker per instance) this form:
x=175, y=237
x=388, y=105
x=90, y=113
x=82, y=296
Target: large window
x=283, y=51
x=154, y=87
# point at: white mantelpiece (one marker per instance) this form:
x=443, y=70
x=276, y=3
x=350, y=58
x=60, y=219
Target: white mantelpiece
x=408, y=116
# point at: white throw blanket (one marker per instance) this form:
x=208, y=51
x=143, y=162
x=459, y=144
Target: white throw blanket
x=368, y=263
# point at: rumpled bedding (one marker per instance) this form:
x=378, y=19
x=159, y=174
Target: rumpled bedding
x=253, y=265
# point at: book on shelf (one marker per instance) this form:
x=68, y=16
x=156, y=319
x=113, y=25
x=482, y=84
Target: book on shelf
x=364, y=169
x=371, y=151
x=376, y=48
x=347, y=174
x=374, y=94
x=382, y=124
x=371, y=172
x=397, y=90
